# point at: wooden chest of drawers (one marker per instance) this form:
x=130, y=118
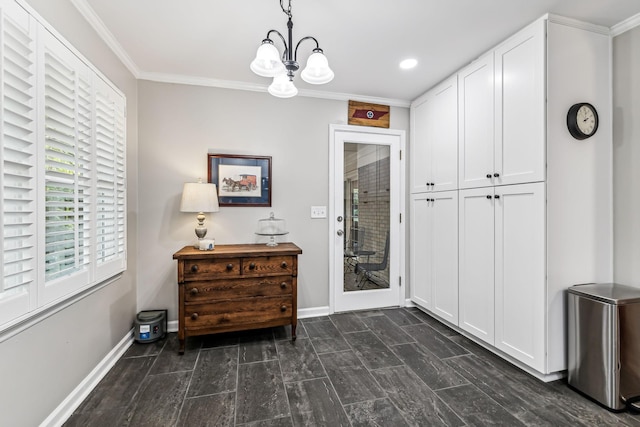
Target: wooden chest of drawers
x=236, y=287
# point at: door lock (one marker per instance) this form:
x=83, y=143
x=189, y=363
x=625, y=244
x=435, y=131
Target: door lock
x=340, y=232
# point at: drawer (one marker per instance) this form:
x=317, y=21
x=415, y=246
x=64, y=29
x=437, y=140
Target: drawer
x=238, y=288
x=247, y=311
x=267, y=265
x=202, y=269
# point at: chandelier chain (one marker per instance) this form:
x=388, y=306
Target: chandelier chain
x=286, y=11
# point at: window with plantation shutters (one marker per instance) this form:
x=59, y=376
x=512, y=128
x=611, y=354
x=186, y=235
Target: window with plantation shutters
x=63, y=172
x=17, y=156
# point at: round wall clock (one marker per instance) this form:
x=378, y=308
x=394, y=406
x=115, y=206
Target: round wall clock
x=582, y=120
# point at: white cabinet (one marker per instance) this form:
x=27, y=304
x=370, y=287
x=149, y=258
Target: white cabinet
x=476, y=121
x=476, y=263
x=434, y=254
x=434, y=141
x=520, y=272
x=502, y=268
x=502, y=113
x=534, y=204
x=519, y=150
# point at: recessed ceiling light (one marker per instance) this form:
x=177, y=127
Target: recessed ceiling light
x=408, y=63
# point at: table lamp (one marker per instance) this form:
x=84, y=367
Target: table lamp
x=199, y=197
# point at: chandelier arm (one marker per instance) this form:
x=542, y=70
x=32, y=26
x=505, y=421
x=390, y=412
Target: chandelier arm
x=284, y=42
x=303, y=39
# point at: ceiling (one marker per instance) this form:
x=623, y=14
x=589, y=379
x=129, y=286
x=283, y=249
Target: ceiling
x=212, y=42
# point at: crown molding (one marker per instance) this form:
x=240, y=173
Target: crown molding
x=625, y=25
x=256, y=87
x=94, y=20
x=570, y=22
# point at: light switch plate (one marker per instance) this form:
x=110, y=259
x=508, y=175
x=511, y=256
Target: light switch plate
x=318, y=211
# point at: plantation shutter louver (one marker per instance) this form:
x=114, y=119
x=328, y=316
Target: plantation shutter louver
x=67, y=164
x=17, y=156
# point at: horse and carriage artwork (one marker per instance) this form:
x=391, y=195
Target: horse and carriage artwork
x=241, y=180
x=243, y=183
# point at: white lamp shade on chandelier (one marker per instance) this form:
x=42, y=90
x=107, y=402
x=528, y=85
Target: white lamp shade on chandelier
x=282, y=87
x=317, y=71
x=269, y=63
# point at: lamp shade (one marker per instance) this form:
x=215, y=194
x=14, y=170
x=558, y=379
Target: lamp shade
x=267, y=62
x=199, y=197
x=317, y=71
x=282, y=87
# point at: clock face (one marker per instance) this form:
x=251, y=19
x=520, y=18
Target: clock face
x=586, y=120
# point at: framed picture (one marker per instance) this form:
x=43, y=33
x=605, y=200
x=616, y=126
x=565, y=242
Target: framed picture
x=241, y=180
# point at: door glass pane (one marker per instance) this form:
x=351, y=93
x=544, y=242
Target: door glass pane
x=366, y=213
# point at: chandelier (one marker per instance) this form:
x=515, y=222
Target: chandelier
x=269, y=63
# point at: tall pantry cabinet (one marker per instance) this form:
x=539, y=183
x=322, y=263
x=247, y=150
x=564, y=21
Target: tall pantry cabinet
x=534, y=204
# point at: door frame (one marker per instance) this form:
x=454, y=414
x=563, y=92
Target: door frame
x=333, y=225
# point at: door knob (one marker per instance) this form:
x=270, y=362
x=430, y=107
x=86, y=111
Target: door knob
x=340, y=232
x=339, y=219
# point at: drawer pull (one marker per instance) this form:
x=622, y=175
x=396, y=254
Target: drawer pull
x=283, y=285
x=229, y=266
x=283, y=308
x=252, y=266
x=284, y=264
x=194, y=268
x=194, y=291
x=194, y=316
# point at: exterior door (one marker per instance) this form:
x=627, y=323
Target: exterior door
x=365, y=218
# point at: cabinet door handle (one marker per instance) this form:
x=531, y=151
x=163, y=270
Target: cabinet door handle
x=194, y=268
x=229, y=267
x=489, y=196
x=497, y=175
x=252, y=266
x=194, y=291
x=283, y=308
x=283, y=285
x=489, y=175
x=284, y=264
x=194, y=316
x=433, y=184
x=497, y=196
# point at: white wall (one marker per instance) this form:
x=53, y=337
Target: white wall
x=180, y=124
x=626, y=157
x=42, y=365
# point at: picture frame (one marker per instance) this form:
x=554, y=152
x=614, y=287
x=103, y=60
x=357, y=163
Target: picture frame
x=240, y=180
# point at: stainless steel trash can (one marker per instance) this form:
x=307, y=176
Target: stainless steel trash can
x=604, y=343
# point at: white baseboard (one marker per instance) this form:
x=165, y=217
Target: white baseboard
x=77, y=396
x=172, y=326
x=313, y=312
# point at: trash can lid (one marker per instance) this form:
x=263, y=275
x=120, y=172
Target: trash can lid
x=611, y=293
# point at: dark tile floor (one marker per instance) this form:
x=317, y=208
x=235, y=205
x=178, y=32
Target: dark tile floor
x=394, y=367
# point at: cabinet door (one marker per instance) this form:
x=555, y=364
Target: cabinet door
x=443, y=139
x=420, y=156
x=421, y=248
x=520, y=272
x=444, y=255
x=476, y=275
x=520, y=107
x=476, y=124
